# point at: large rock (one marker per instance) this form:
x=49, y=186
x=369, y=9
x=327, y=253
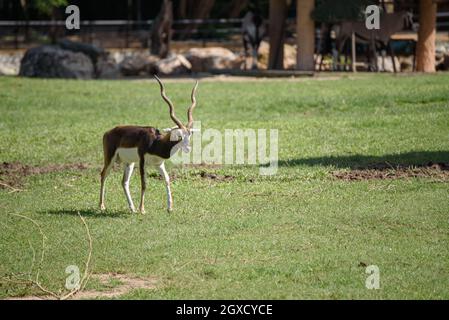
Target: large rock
x=8, y=70
x=385, y=64
x=443, y=63
x=107, y=68
x=138, y=64
x=54, y=62
x=90, y=50
x=175, y=64
x=206, y=59
x=289, y=55
x=440, y=51
x=442, y=57
x=10, y=64
x=406, y=63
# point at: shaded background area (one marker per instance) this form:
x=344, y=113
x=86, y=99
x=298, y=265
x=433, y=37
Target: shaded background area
x=300, y=35
x=358, y=161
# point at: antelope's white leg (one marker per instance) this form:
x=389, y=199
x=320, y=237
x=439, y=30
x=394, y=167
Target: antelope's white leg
x=129, y=167
x=104, y=174
x=166, y=177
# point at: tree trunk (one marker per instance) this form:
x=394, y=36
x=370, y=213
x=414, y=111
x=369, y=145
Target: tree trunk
x=234, y=8
x=277, y=17
x=194, y=9
x=161, y=31
x=425, y=51
x=305, y=35
x=139, y=10
x=182, y=9
x=55, y=32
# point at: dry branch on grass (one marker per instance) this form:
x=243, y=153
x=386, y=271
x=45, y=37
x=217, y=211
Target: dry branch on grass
x=34, y=281
x=10, y=187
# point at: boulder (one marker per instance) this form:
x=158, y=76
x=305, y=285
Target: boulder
x=138, y=64
x=440, y=51
x=7, y=70
x=406, y=63
x=385, y=64
x=175, y=64
x=118, y=56
x=90, y=50
x=107, y=68
x=53, y=62
x=443, y=63
x=10, y=64
x=289, y=55
x=206, y=59
x=445, y=66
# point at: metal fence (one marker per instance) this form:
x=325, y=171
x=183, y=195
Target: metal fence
x=112, y=33
x=16, y=34
x=119, y=33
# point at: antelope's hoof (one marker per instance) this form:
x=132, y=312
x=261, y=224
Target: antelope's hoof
x=102, y=207
x=169, y=210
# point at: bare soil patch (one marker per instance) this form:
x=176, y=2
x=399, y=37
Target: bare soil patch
x=216, y=177
x=382, y=171
x=204, y=171
x=202, y=166
x=12, y=174
x=126, y=284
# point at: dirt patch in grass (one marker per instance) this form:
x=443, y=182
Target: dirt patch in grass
x=208, y=174
x=126, y=284
x=123, y=284
x=203, y=174
x=12, y=174
x=382, y=171
x=215, y=176
x=202, y=166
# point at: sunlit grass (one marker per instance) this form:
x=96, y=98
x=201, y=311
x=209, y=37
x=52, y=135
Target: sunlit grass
x=297, y=234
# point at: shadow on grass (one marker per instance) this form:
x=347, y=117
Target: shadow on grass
x=91, y=213
x=413, y=158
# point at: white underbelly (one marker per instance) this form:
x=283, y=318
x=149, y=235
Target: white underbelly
x=130, y=155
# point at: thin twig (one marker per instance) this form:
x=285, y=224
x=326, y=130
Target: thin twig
x=86, y=275
x=41, y=262
x=10, y=187
x=35, y=282
x=389, y=164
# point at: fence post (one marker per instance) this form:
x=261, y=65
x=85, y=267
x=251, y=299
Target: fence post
x=16, y=37
x=127, y=34
x=353, y=52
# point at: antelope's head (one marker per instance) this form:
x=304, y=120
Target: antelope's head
x=180, y=133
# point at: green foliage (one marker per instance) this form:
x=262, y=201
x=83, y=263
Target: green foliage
x=331, y=11
x=46, y=6
x=298, y=234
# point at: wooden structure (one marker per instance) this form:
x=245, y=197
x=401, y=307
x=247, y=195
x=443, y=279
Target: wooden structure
x=305, y=35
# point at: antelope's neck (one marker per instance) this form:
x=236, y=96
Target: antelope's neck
x=164, y=146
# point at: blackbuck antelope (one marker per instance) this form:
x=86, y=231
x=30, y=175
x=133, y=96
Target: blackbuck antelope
x=253, y=31
x=146, y=146
x=390, y=23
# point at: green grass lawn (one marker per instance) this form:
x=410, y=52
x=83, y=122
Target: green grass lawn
x=298, y=234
